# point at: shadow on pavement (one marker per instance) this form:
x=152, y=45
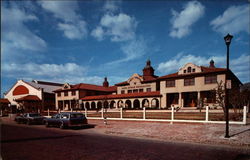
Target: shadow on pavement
x=83, y=127
x=242, y=157
x=239, y=133
x=36, y=139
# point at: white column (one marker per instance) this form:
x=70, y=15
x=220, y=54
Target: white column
x=245, y=115
x=179, y=101
x=48, y=112
x=206, y=113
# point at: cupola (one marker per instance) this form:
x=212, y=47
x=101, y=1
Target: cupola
x=105, y=83
x=212, y=64
x=148, y=69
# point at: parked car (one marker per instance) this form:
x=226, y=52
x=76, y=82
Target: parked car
x=66, y=119
x=30, y=118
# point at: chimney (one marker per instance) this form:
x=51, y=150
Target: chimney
x=211, y=64
x=105, y=83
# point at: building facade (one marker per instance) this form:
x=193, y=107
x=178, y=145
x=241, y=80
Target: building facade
x=32, y=96
x=189, y=87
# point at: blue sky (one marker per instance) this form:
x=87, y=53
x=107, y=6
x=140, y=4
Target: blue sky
x=84, y=41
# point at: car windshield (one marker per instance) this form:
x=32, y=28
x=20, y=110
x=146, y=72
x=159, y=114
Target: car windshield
x=76, y=115
x=34, y=115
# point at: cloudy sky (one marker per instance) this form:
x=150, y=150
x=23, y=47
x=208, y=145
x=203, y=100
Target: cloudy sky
x=84, y=41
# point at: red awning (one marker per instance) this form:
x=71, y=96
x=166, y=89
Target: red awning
x=119, y=96
x=29, y=98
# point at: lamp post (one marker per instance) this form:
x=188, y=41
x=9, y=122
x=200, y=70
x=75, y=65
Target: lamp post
x=227, y=39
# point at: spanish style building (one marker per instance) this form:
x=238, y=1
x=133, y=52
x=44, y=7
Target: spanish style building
x=184, y=88
x=32, y=96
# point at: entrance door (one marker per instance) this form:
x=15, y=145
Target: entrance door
x=190, y=99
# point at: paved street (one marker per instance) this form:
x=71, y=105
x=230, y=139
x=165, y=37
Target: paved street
x=37, y=142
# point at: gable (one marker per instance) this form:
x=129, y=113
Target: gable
x=189, y=68
x=135, y=79
x=19, y=90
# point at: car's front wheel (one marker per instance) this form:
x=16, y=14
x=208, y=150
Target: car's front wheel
x=62, y=125
x=47, y=124
x=28, y=122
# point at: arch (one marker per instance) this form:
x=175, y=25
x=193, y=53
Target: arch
x=106, y=104
x=20, y=90
x=93, y=106
x=145, y=103
x=120, y=104
x=128, y=104
x=112, y=104
x=87, y=105
x=136, y=104
x=155, y=103
x=99, y=105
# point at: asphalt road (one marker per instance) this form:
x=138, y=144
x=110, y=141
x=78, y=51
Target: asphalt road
x=22, y=142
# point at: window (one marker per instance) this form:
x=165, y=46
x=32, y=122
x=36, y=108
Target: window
x=135, y=91
x=59, y=94
x=73, y=93
x=189, y=69
x=65, y=93
x=193, y=70
x=189, y=82
x=140, y=90
x=129, y=91
x=122, y=91
x=185, y=71
x=210, y=79
x=148, y=89
x=170, y=83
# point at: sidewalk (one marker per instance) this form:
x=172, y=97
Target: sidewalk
x=182, y=132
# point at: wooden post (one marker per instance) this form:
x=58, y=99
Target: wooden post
x=48, y=112
x=206, y=113
x=172, y=115
x=86, y=112
x=245, y=115
x=144, y=112
x=121, y=113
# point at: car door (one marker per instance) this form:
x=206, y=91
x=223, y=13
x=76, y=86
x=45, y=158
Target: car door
x=57, y=120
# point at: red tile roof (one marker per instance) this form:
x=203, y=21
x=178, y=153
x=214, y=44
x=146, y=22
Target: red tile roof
x=28, y=98
x=145, y=80
x=205, y=70
x=119, y=96
x=85, y=86
x=4, y=100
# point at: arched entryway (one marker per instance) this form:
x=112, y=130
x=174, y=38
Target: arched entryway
x=106, y=104
x=87, y=105
x=145, y=103
x=120, y=104
x=93, y=106
x=99, y=105
x=128, y=104
x=136, y=104
x=112, y=104
x=155, y=103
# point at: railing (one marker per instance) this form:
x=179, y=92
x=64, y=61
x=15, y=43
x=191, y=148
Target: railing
x=164, y=115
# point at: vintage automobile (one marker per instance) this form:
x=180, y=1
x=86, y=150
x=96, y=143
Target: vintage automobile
x=66, y=119
x=30, y=118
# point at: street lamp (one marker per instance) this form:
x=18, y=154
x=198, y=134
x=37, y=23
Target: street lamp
x=227, y=39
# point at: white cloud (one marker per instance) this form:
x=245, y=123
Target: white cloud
x=182, y=22
x=73, y=26
x=15, y=34
x=111, y=6
x=73, y=31
x=234, y=20
x=240, y=66
x=98, y=33
x=119, y=27
x=132, y=50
